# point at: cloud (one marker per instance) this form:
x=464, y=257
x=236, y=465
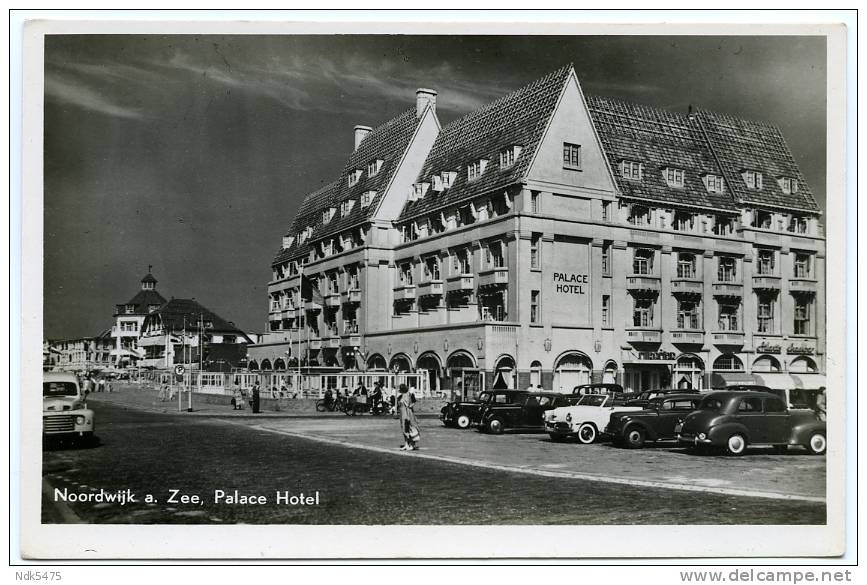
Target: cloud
x=77, y=93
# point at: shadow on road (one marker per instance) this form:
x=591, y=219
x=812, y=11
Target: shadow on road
x=57, y=444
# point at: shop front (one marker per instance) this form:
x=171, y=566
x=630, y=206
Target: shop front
x=648, y=370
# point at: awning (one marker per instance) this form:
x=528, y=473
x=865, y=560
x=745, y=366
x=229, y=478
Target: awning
x=778, y=381
x=126, y=352
x=723, y=379
x=810, y=381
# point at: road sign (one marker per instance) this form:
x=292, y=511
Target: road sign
x=179, y=370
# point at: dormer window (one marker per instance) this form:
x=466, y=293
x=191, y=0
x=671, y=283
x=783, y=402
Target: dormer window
x=753, y=180
x=373, y=167
x=509, y=156
x=305, y=234
x=346, y=207
x=448, y=178
x=674, y=177
x=354, y=176
x=437, y=183
x=475, y=169
x=367, y=198
x=571, y=156
x=788, y=185
x=419, y=190
x=631, y=170
x=327, y=215
x=713, y=183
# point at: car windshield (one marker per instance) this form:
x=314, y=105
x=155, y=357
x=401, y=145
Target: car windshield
x=711, y=403
x=592, y=400
x=484, y=397
x=59, y=389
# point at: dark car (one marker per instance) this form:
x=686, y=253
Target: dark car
x=735, y=419
x=601, y=388
x=463, y=413
x=644, y=398
x=527, y=413
x=655, y=423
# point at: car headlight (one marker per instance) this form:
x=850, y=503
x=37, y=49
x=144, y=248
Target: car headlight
x=79, y=420
x=568, y=417
x=702, y=436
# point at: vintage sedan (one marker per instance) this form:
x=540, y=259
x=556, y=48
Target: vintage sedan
x=736, y=420
x=655, y=423
x=463, y=413
x=644, y=398
x=64, y=408
x=586, y=418
x=526, y=413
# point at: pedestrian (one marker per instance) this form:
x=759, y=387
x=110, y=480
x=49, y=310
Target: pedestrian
x=284, y=391
x=238, y=398
x=408, y=422
x=821, y=404
x=255, y=404
x=108, y=385
x=100, y=385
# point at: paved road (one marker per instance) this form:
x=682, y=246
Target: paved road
x=148, y=452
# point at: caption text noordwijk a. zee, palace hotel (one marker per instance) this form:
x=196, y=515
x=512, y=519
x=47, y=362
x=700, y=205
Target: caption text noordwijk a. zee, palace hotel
x=557, y=238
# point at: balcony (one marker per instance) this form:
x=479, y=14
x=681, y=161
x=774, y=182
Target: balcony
x=351, y=296
x=494, y=277
x=430, y=288
x=643, y=335
x=766, y=282
x=643, y=284
x=404, y=292
x=315, y=344
x=686, y=286
x=802, y=285
x=728, y=338
x=332, y=299
x=331, y=342
x=312, y=306
x=350, y=340
x=460, y=283
x=275, y=316
x=688, y=336
x=728, y=289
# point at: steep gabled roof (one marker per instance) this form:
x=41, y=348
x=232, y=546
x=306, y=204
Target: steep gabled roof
x=144, y=299
x=177, y=312
x=387, y=143
x=740, y=145
x=657, y=139
x=517, y=119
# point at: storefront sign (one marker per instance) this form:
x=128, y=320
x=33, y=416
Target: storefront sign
x=656, y=355
x=768, y=348
x=800, y=349
x=571, y=283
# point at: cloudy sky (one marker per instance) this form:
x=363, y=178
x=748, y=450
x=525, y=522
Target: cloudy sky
x=191, y=153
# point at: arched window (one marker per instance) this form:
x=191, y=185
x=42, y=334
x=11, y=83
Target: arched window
x=376, y=362
x=254, y=365
x=535, y=374
x=279, y=364
x=400, y=362
x=728, y=363
x=766, y=363
x=689, y=372
x=266, y=365
x=431, y=363
x=504, y=373
x=609, y=373
x=803, y=365
x=571, y=370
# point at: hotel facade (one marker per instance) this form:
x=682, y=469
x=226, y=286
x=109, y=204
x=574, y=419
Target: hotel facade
x=552, y=238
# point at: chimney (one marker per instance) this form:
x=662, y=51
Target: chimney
x=423, y=97
x=361, y=133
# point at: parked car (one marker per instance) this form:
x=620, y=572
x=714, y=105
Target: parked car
x=642, y=399
x=586, y=418
x=64, y=407
x=463, y=413
x=526, y=413
x=599, y=388
x=735, y=420
x=655, y=422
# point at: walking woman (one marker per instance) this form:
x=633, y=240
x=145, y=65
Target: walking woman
x=408, y=422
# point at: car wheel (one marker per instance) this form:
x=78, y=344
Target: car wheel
x=495, y=426
x=817, y=444
x=736, y=445
x=634, y=438
x=587, y=433
x=463, y=421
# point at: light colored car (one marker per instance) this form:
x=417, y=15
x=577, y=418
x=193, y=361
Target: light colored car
x=64, y=407
x=586, y=418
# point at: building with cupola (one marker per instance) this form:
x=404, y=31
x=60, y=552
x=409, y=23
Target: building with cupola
x=128, y=319
x=553, y=238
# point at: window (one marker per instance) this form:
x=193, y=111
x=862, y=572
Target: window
x=332, y=284
x=765, y=262
x=432, y=268
x=448, y=178
x=750, y=404
x=631, y=170
x=606, y=211
x=688, y=315
x=683, y=221
x=606, y=310
x=639, y=215
x=798, y=224
x=763, y=219
x=535, y=314
x=406, y=274
x=713, y=183
x=327, y=214
x=765, y=314
x=674, y=177
x=373, y=167
x=535, y=202
x=465, y=260
x=686, y=265
x=367, y=198
x=728, y=317
x=346, y=207
x=509, y=155
x=642, y=261
x=788, y=185
x=753, y=180
x=571, y=156
x=496, y=259
x=726, y=269
x=129, y=309
x=642, y=314
x=535, y=260
x=724, y=226
x=419, y=190
x=802, y=315
x=728, y=362
x=606, y=258
x=354, y=176
x=802, y=266
x=475, y=169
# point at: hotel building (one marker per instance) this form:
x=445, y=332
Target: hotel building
x=552, y=238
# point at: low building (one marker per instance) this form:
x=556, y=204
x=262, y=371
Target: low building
x=182, y=331
x=81, y=355
x=552, y=238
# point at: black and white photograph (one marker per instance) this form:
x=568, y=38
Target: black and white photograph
x=395, y=279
